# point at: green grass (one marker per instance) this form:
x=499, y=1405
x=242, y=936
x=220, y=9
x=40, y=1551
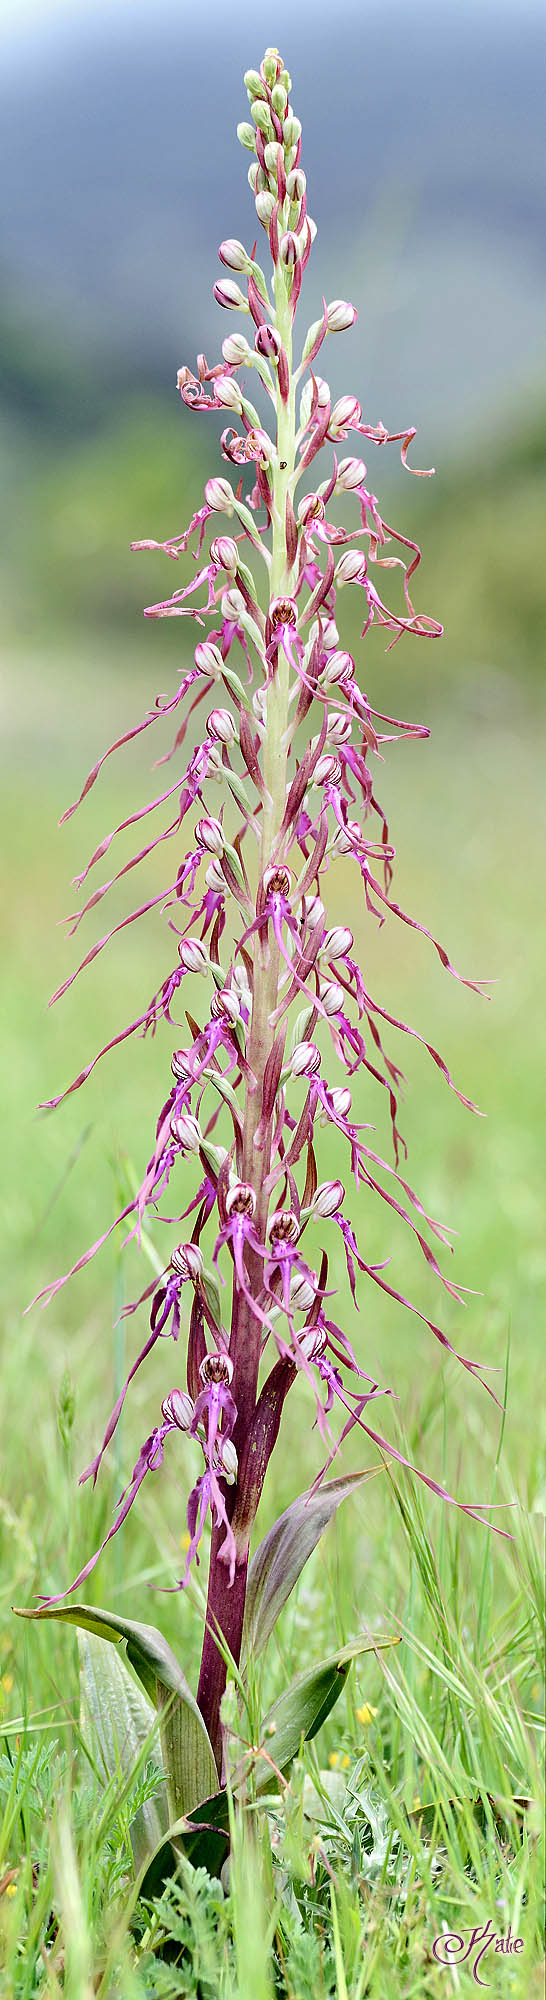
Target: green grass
x=426, y=1816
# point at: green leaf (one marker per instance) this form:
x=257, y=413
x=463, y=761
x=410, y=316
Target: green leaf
x=190, y=1767
x=118, y=1720
x=301, y=1710
x=203, y=1838
x=280, y=1558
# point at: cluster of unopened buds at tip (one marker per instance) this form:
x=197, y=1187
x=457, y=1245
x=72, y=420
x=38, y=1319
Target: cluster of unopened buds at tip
x=279, y=787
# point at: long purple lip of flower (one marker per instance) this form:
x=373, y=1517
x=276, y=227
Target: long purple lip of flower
x=267, y=813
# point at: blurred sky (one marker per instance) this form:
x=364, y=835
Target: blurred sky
x=424, y=150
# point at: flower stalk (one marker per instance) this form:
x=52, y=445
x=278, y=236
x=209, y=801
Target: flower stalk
x=252, y=1088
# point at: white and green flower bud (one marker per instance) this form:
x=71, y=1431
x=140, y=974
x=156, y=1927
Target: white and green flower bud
x=351, y=472
x=337, y=941
x=233, y=604
x=235, y=349
x=341, y=315
x=291, y=131
x=220, y=726
x=193, y=954
x=254, y=84
x=187, y=1132
x=271, y=157
x=346, y=412
x=265, y=203
x=279, y=99
x=246, y=136
x=219, y=494
x=259, y=704
x=261, y=114
x=312, y=911
x=332, y=996
x=228, y=393
x=330, y=634
x=253, y=176
x=270, y=65
x=209, y=834
x=229, y=295
x=224, y=553
x=208, y=659
x=351, y=567
x=233, y=254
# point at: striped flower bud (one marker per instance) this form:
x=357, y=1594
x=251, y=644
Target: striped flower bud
x=341, y=315
x=208, y=659
x=229, y=295
x=271, y=157
x=187, y=1132
x=279, y=99
x=193, y=955
x=337, y=942
x=255, y=176
x=345, y=413
x=227, y=392
x=288, y=249
x=179, y=1066
x=268, y=342
x=215, y=878
x=339, y=667
x=296, y=184
x=209, y=834
x=302, y=1294
x=351, y=472
x=313, y=1344
x=187, y=1262
x=225, y=1460
x=332, y=996
x=341, y=1104
x=233, y=254
x=225, y=1005
x=327, y=771
x=220, y=726
x=312, y=911
x=254, y=84
x=240, y=1199
x=305, y=1060
x=235, y=350
x=330, y=634
x=259, y=703
x=218, y=493
x=328, y=1198
x=224, y=552
x=339, y=729
x=351, y=567
x=233, y=604
x=178, y=1409
x=216, y=1368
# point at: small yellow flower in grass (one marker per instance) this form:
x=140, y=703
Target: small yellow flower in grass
x=185, y=1541
x=365, y=1715
x=345, y=1762
x=333, y=1760
x=11, y=1889
x=7, y=1683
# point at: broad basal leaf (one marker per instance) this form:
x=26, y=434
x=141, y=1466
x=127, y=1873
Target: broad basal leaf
x=202, y=1836
x=192, y=1775
x=116, y=1721
x=280, y=1558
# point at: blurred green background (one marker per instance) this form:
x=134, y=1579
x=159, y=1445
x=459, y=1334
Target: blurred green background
x=425, y=177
